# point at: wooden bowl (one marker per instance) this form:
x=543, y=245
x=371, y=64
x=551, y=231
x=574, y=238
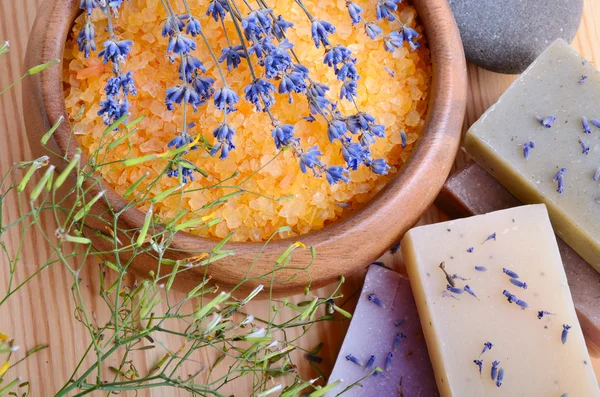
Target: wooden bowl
x=342, y=247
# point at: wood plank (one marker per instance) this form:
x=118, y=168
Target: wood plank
x=42, y=311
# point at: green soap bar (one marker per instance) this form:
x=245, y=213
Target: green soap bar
x=552, y=86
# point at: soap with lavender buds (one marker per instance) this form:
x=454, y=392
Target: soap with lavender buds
x=533, y=334
x=541, y=140
x=385, y=333
x=472, y=191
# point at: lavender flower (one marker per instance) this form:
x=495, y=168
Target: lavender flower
x=183, y=92
x=336, y=129
x=179, y=44
x=479, y=364
x=393, y=41
x=310, y=159
x=113, y=109
x=500, y=377
x=115, y=51
x=347, y=71
x=386, y=8
x=86, y=39
x=379, y=166
x=218, y=9
x=360, y=121
x=224, y=135
x=233, y=55
x=181, y=140
x=586, y=125
x=88, y=5
x=585, y=149
x=336, y=174
x=204, y=86
x=527, y=146
x=336, y=55
x=193, y=27
x=284, y=136
x=189, y=66
x=547, y=122
x=321, y=31
x=595, y=122
x=494, y=371
x=173, y=25
x=565, y=333
x=403, y=138
x=486, y=346
x=260, y=94
x=410, y=35
x=560, y=179
x=317, y=99
x=349, y=90
x=293, y=81
x=187, y=173
x=281, y=26
x=354, y=360
x=355, y=154
x=373, y=30
x=355, y=12
x=278, y=58
x=226, y=99
x=122, y=82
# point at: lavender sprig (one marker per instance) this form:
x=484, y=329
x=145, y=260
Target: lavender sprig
x=120, y=86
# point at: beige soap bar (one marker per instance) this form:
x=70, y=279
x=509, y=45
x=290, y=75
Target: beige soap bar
x=562, y=85
x=458, y=321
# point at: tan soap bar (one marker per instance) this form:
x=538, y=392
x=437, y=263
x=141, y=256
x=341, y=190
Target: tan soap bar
x=502, y=296
x=472, y=191
x=562, y=85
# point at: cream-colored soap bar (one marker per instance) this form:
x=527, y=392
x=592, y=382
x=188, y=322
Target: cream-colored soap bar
x=562, y=85
x=485, y=305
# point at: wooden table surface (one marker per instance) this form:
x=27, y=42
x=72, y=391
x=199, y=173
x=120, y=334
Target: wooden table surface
x=43, y=311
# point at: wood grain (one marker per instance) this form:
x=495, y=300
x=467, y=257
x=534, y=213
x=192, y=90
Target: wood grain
x=412, y=189
x=42, y=312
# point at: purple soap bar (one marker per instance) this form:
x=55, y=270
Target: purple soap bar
x=385, y=321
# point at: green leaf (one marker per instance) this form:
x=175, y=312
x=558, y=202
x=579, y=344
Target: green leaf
x=139, y=160
x=322, y=390
x=42, y=67
x=86, y=208
x=63, y=175
x=172, y=276
x=163, y=195
x=144, y=230
x=135, y=184
x=309, y=309
x=51, y=131
x=9, y=386
x=35, y=350
x=203, y=312
x=77, y=240
x=122, y=139
x=135, y=122
x=4, y=48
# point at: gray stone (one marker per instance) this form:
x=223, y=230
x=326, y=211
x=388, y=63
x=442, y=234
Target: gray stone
x=506, y=36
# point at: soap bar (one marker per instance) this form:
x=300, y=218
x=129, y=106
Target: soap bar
x=501, y=298
x=535, y=159
x=385, y=321
x=472, y=191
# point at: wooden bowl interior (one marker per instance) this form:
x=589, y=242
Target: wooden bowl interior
x=342, y=247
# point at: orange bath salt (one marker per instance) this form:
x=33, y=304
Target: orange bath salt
x=394, y=88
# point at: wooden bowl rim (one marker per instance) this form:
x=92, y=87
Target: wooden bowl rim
x=420, y=178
